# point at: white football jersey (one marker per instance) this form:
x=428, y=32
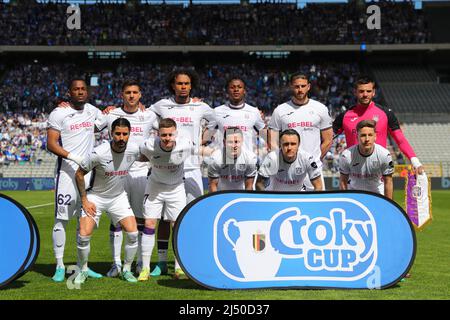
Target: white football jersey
x=109, y=168
x=245, y=117
x=365, y=172
x=167, y=166
x=308, y=120
x=189, y=118
x=142, y=123
x=232, y=172
x=288, y=176
x=76, y=129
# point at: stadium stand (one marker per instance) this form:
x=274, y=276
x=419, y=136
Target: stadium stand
x=30, y=23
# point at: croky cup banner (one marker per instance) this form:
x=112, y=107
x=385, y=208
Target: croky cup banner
x=19, y=240
x=331, y=239
x=418, y=199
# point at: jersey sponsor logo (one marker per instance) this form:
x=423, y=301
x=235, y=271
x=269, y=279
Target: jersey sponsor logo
x=243, y=128
x=276, y=240
x=82, y=125
x=116, y=173
x=303, y=124
x=226, y=116
x=136, y=129
x=182, y=119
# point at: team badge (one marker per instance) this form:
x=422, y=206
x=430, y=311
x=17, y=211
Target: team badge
x=298, y=171
x=375, y=118
x=130, y=158
x=141, y=118
x=376, y=164
x=241, y=166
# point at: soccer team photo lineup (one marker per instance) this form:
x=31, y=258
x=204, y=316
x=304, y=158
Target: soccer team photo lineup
x=200, y=173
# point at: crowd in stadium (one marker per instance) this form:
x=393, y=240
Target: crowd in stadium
x=21, y=135
x=261, y=24
x=38, y=85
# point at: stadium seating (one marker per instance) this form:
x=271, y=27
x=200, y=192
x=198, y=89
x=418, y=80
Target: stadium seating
x=430, y=142
x=258, y=24
x=412, y=89
x=44, y=166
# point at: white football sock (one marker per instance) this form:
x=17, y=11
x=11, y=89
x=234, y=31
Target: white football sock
x=84, y=248
x=148, y=243
x=131, y=246
x=59, y=241
x=115, y=241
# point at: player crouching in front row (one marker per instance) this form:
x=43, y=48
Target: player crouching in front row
x=367, y=165
x=110, y=163
x=288, y=167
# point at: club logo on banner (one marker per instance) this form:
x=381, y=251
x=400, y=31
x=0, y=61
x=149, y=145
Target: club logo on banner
x=418, y=199
x=263, y=240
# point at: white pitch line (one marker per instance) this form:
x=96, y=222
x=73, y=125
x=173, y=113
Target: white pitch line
x=41, y=205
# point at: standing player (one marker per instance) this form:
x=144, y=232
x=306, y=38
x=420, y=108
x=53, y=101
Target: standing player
x=367, y=109
x=70, y=135
x=288, y=167
x=165, y=194
x=237, y=113
x=110, y=163
x=136, y=180
x=233, y=167
x=308, y=117
x=367, y=165
x=188, y=116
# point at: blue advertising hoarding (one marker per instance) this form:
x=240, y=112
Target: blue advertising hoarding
x=12, y=184
x=247, y=240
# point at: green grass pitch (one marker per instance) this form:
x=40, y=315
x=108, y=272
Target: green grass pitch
x=430, y=273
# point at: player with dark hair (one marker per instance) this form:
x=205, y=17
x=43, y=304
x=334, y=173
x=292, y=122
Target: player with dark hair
x=288, y=167
x=110, y=163
x=310, y=118
x=367, y=109
x=70, y=135
x=367, y=165
x=233, y=167
x=142, y=122
x=237, y=113
x=191, y=117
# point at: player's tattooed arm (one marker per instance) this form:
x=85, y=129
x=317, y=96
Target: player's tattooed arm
x=88, y=207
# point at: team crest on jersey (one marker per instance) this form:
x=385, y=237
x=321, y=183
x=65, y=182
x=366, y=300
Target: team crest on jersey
x=241, y=166
x=298, y=171
x=141, y=118
x=375, y=118
x=130, y=158
x=376, y=164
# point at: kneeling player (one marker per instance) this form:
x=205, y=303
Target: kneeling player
x=110, y=163
x=367, y=165
x=288, y=167
x=165, y=186
x=233, y=167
